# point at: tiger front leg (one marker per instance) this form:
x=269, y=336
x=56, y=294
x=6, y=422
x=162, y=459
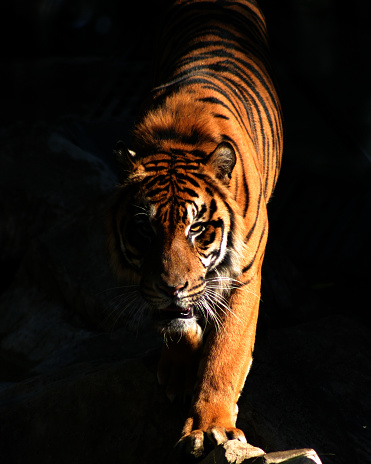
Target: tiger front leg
x=177, y=368
x=223, y=370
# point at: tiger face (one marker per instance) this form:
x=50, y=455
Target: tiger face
x=177, y=231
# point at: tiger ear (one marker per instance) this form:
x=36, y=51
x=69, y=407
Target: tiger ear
x=222, y=160
x=124, y=159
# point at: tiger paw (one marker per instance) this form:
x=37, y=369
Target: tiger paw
x=198, y=443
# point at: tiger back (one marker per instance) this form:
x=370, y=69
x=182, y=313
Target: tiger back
x=189, y=222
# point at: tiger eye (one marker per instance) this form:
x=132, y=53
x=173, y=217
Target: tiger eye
x=145, y=229
x=197, y=228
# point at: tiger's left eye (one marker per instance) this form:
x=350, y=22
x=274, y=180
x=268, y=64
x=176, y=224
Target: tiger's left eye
x=144, y=228
x=197, y=228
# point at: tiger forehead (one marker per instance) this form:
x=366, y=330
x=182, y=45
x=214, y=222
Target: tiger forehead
x=171, y=162
x=182, y=212
x=166, y=178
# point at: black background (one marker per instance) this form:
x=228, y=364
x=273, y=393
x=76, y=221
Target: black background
x=85, y=66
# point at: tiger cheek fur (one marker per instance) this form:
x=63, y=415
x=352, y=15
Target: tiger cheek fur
x=189, y=225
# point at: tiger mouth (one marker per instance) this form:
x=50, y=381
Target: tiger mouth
x=176, y=312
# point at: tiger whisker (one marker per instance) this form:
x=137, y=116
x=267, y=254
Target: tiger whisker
x=218, y=304
x=210, y=311
x=121, y=287
x=224, y=280
x=123, y=299
x=128, y=304
x=141, y=214
x=204, y=314
x=230, y=287
x=222, y=303
x=224, y=287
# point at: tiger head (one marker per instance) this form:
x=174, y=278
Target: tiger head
x=175, y=232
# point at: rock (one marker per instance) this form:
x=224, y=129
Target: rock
x=304, y=380
x=235, y=452
x=88, y=413
x=304, y=456
x=43, y=178
x=63, y=295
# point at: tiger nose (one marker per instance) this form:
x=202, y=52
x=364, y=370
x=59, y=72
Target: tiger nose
x=172, y=290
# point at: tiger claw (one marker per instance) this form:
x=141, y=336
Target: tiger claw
x=217, y=435
x=198, y=443
x=192, y=444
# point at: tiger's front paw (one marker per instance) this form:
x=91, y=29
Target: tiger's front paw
x=198, y=443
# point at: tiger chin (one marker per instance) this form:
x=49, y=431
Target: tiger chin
x=188, y=225
x=176, y=321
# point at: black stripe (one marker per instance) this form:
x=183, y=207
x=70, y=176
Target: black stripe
x=221, y=116
x=247, y=238
x=153, y=180
x=213, y=100
x=198, y=153
x=156, y=191
x=202, y=211
x=170, y=133
x=212, y=208
x=246, y=268
x=186, y=178
x=190, y=192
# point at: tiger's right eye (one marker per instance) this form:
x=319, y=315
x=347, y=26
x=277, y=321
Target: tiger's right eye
x=197, y=228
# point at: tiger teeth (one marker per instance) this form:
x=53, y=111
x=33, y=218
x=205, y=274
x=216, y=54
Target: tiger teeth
x=174, y=312
x=187, y=313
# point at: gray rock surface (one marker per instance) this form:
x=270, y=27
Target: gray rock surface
x=235, y=452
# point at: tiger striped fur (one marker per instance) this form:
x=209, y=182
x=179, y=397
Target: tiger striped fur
x=189, y=222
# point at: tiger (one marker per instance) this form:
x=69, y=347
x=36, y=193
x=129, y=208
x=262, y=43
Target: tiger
x=188, y=225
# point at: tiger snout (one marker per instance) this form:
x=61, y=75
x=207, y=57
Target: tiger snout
x=172, y=290
x=174, y=274
x=175, y=299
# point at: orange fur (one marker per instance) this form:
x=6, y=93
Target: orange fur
x=207, y=155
